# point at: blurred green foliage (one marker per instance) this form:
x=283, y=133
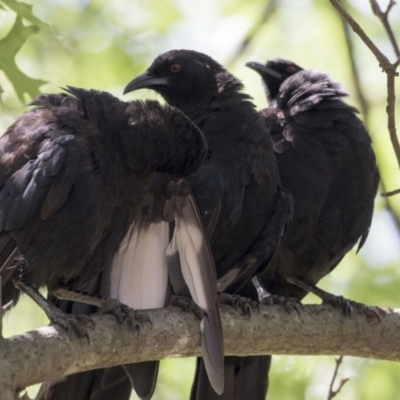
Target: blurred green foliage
x=103, y=44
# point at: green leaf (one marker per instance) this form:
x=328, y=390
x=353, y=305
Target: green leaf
x=9, y=47
x=25, y=11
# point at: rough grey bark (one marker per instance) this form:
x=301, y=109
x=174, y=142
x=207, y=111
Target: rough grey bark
x=50, y=352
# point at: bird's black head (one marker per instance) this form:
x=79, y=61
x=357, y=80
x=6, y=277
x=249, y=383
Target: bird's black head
x=274, y=73
x=184, y=78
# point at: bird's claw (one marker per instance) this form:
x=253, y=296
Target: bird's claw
x=348, y=306
x=339, y=302
x=70, y=322
x=187, y=304
x=289, y=304
x=246, y=305
x=124, y=314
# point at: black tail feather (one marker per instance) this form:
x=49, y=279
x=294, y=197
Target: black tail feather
x=246, y=378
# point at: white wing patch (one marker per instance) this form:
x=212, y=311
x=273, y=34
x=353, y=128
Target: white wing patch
x=190, y=242
x=139, y=272
x=198, y=270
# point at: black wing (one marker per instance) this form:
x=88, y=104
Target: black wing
x=39, y=167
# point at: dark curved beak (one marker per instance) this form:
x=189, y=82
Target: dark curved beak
x=145, y=81
x=262, y=69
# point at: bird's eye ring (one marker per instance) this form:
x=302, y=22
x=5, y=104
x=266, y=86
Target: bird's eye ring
x=175, y=68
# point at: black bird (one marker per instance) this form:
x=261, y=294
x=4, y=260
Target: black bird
x=81, y=178
x=237, y=189
x=239, y=177
x=326, y=161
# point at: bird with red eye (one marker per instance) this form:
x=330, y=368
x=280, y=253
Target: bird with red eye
x=175, y=68
x=237, y=188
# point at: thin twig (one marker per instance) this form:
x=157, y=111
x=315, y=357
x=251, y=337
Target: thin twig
x=332, y=393
x=391, y=102
x=383, y=60
x=385, y=194
x=388, y=68
x=342, y=383
x=338, y=361
x=365, y=108
x=391, y=111
x=364, y=105
x=265, y=16
x=392, y=193
x=384, y=18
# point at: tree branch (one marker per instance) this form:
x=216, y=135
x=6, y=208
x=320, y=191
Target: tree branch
x=333, y=393
x=382, y=59
x=384, y=18
x=365, y=110
x=391, y=193
x=50, y=353
x=388, y=67
x=364, y=105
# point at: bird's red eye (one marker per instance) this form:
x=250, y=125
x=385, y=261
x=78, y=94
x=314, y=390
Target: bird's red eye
x=290, y=69
x=175, y=68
